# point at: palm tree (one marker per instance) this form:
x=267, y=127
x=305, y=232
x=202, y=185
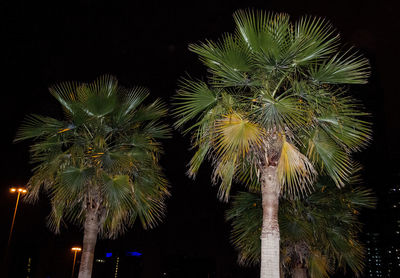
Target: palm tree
x=99, y=166
x=274, y=110
x=319, y=233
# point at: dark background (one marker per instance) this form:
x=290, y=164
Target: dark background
x=145, y=43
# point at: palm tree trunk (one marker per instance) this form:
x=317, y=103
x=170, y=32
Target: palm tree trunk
x=91, y=229
x=299, y=272
x=270, y=227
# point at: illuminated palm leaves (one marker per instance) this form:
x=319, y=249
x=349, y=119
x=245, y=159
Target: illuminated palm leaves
x=342, y=119
x=104, y=156
x=295, y=171
x=246, y=217
x=347, y=68
x=227, y=60
x=313, y=39
x=196, y=99
x=321, y=230
x=285, y=80
x=37, y=126
x=331, y=159
x=281, y=112
x=234, y=137
x=267, y=36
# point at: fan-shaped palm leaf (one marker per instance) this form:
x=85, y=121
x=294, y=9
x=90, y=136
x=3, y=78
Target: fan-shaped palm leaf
x=100, y=166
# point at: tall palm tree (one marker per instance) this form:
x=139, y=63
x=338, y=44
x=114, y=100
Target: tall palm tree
x=319, y=233
x=274, y=109
x=100, y=165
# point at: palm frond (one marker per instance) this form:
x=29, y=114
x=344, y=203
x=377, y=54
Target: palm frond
x=345, y=68
x=54, y=220
x=246, y=214
x=345, y=122
x=117, y=190
x=198, y=159
x=318, y=265
x=266, y=35
x=236, y=135
x=282, y=112
x=106, y=85
x=73, y=181
x=249, y=175
x=295, y=172
x=225, y=172
x=360, y=198
x=313, y=40
x=193, y=99
x=157, y=130
x=153, y=111
x=65, y=93
x=35, y=126
x=99, y=105
x=132, y=98
x=227, y=60
x=334, y=161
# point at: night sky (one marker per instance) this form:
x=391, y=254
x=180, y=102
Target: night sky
x=145, y=43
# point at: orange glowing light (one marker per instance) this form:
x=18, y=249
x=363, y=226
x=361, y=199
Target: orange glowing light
x=76, y=249
x=18, y=189
x=64, y=130
x=13, y=190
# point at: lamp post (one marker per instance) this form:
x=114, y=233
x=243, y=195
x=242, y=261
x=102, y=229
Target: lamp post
x=19, y=190
x=75, y=249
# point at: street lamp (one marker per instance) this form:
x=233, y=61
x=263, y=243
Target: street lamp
x=75, y=249
x=19, y=190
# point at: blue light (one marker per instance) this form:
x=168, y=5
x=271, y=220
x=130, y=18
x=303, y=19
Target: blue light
x=108, y=255
x=133, y=254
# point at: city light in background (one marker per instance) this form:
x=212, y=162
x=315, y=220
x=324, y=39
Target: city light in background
x=75, y=249
x=19, y=190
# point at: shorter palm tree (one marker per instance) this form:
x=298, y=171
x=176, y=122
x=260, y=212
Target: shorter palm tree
x=319, y=234
x=100, y=165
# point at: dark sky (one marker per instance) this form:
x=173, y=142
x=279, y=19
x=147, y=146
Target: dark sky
x=145, y=43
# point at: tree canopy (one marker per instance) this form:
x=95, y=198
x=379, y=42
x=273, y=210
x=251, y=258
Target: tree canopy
x=103, y=157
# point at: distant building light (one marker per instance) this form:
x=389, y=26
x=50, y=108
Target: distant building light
x=133, y=254
x=116, y=268
x=108, y=255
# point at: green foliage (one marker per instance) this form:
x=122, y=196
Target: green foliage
x=319, y=232
x=103, y=157
x=287, y=81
